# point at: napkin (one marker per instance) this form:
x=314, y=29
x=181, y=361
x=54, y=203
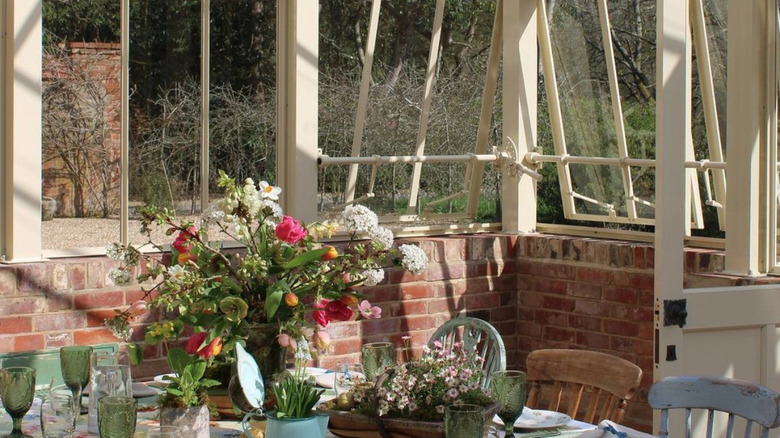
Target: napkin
x=609, y=429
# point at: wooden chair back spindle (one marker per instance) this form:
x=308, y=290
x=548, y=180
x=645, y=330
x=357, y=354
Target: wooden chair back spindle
x=586, y=385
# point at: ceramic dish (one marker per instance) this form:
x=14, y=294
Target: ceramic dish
x=326, y=380
x=537, y=419
x=160, y=381
x=140, y=390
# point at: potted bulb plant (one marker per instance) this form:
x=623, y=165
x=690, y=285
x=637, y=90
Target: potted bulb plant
x=185, y=400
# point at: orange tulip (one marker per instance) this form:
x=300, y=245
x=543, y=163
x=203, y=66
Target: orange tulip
x=349, y=300
x=291, y=299
x=331, y=254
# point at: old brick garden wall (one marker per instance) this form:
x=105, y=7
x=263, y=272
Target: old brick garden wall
x=539, y=291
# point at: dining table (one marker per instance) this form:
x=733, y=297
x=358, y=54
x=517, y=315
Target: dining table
x=231, y=427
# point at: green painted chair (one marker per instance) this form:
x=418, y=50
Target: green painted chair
x=45, y=362
x=477, y=336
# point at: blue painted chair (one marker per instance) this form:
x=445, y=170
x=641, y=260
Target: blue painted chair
x=755, y=404
x=477, y=336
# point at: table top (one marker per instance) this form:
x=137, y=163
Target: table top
x=148, y=418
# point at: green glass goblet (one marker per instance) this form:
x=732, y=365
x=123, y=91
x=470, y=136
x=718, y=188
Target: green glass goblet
x=464, y=421
x=17, y=389
x=117, y=415
x=377, y=356
x=74, y=363
x=509, y=391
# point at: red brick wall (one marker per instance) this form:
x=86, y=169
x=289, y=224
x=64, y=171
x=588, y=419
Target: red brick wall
x=539, y=291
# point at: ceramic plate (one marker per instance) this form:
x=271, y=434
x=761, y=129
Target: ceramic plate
x=311, y=371
x=160, y=380
x=140, y=390
x=537, y=419
x=249, y=377
x=326, y=380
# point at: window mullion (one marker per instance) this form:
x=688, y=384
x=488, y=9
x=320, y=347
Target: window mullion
x=473, y=182
x=205, y=79
x=124, y=137
x=554, y=104
x=704, y=66
x=617, y=110
x=430, y=74
x=362, y=109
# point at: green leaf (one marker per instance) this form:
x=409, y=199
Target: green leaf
x=136, y=354
x=197, y=368
x=306, y=257
x=174, y=391
x=272, y=302
x=178, y=360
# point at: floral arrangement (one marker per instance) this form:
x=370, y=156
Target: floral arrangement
x=284, y=276
x=422, y=389
x=187, y=385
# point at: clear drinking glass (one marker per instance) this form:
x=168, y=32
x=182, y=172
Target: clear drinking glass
x=464, y=421
x=74, y=363
x=509, y=391
x=110, y=376
x=377, y=357
x=162, y=432
x=17, y=389
x=58, y=415
x=117, y=415
x=346, y=376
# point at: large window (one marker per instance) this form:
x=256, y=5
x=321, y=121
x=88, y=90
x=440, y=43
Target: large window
x=597, y=123
x=202, y=98
x=405, y=79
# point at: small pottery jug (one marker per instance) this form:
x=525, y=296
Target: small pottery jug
x=314, y=426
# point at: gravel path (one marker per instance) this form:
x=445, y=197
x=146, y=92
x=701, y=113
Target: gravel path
x=66, y=233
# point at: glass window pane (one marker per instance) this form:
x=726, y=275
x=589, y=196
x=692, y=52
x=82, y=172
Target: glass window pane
x=81, y=123
x=395, y=101
x=165, y=109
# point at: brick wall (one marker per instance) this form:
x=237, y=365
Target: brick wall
x=539, y=291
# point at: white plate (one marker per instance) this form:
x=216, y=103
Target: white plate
x=160, y=379
x=326, y=380
x=537, y=419
x=310, y=371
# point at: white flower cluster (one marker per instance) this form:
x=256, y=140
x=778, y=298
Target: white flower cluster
x=302, y=353
x=381, y=235
x=359, y=218
x=372, y=277
x=255, y=200
x=119, y=276
x=414, y=259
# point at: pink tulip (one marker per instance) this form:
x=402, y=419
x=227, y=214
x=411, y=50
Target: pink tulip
x=138, y=308
x=321, y=340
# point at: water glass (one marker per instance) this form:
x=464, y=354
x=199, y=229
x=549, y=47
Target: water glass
x=17, y=389
x=346, y=376
x=509, y=391
x=74, y=364
x=58, y=415
x=117, y=415
x=161, y=432
x=109, y=376
x=377, y=357
x=464, y=421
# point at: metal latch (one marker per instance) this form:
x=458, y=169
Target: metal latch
x=675, y=313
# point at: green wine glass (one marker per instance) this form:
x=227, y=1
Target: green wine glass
x=17, y=389
x=74, y=363
x=377, y=357
x=117, y=415
x=509, y=391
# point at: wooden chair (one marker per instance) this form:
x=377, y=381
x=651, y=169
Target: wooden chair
x=587, y=385
x=477, y=336
x=754, y=403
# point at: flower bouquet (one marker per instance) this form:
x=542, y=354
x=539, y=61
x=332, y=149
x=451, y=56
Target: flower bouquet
x=282, y=277
x=410, y=399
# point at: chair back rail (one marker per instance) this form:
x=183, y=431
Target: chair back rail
x=477, y=336
x=602, y=381
x=754, y=403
